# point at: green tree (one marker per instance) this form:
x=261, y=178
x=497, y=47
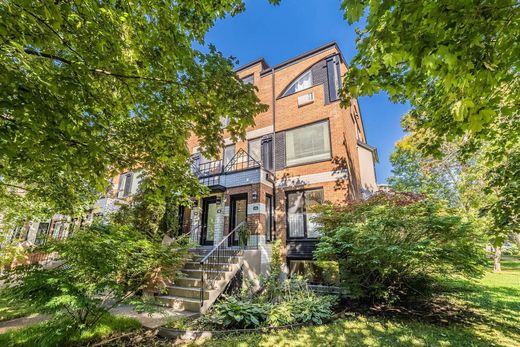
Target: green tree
x=457, y=64
x=91, y=88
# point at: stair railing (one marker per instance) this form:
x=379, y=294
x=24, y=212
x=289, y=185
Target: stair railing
x=222, y=253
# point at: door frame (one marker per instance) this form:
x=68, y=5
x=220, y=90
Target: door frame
x=204, y=227
x=232, y=207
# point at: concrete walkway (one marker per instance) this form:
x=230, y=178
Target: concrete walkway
x=153, y=320
x=147, y=320
x=22, y=322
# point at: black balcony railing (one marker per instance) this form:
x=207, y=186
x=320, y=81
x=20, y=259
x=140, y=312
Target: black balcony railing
x=209, y=173
x=241, y=161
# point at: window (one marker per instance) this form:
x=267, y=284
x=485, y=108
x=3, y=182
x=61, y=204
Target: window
x=303, y=82
x=224, y=122
x=254, y=149
x=315, y=272
x=307, y=144
x=299, y=221
x=128, y=184
x=249, y=79
x=269, y=217
x=229, y=153
x=267, y=152
x=41, y=233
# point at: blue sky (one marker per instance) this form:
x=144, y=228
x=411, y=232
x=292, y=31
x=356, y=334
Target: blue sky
x=278, y=33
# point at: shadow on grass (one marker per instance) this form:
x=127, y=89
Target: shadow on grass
x=65, y=333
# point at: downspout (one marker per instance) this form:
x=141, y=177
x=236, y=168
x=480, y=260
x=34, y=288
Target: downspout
x=274, y=153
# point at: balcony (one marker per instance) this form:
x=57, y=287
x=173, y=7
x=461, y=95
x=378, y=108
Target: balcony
x=241, y=169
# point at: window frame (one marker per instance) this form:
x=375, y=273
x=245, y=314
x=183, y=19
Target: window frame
x=288, y=91
x=269, y=208
x=246, y=78
x=287, y=164
x=305, y=231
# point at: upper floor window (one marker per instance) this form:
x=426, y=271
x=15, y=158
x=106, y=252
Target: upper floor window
x=306, y=144
x=249, y=79
x=255, y=150
x=229, y=153
x=301, y=83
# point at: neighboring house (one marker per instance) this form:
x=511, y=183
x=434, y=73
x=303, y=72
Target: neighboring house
x=304, y=150
x=120, y=191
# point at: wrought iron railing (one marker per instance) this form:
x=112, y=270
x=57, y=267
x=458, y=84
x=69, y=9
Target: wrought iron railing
x=219, y=260
x=241, y=161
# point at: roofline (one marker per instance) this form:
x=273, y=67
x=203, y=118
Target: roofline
x=254, y=62
x=370, y=148
x=302, y=56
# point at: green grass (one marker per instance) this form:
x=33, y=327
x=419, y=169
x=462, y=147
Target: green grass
x=492, y=306
x=50, y=334
x=11, y=309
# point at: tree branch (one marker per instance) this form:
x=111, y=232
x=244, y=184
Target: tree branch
x=97, y=70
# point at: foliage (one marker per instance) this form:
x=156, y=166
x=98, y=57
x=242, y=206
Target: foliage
x=92, y=88
x=10, y=308
x=272, y=282
x=298, y=304
x=494, y=299
x=455, y=61
x=11, y=252
x=412, y=171
x=64, y=332
x=394, y=245
x=235, y=314
x=102, y=266
x=292, y=303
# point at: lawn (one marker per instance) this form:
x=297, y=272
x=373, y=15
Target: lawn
x=11, y=309
x=490, y=310
x=62, y=333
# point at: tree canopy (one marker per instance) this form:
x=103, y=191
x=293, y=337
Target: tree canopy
x=456, y=61
x=91, y=88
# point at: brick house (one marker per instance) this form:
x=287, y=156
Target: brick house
x=304, y=150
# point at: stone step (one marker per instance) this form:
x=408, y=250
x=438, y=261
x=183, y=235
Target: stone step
x=179, y=303
x=187, y=292
x=196, y=266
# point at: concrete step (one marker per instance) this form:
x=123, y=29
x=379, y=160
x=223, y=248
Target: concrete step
x=187, y=292
x=188, y=282
x=231, y=259
x=179, y=303
x=196, y=266
x=197, y=273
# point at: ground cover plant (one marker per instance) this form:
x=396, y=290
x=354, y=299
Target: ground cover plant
x=393, y=246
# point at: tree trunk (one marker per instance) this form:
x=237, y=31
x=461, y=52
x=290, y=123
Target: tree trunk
x=496, y=258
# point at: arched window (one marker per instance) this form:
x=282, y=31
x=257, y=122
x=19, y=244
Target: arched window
x=301, y=83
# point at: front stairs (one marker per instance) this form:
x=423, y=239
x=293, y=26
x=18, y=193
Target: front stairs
x=185, y=292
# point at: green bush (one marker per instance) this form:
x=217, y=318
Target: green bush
x=101, y=266
x=395, y=245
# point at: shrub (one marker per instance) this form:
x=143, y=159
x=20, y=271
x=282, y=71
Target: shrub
x=392, y=246
x=102, y=266
x=301, y=308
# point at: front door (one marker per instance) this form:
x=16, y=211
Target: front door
x=238, y=214
x=209, y=214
